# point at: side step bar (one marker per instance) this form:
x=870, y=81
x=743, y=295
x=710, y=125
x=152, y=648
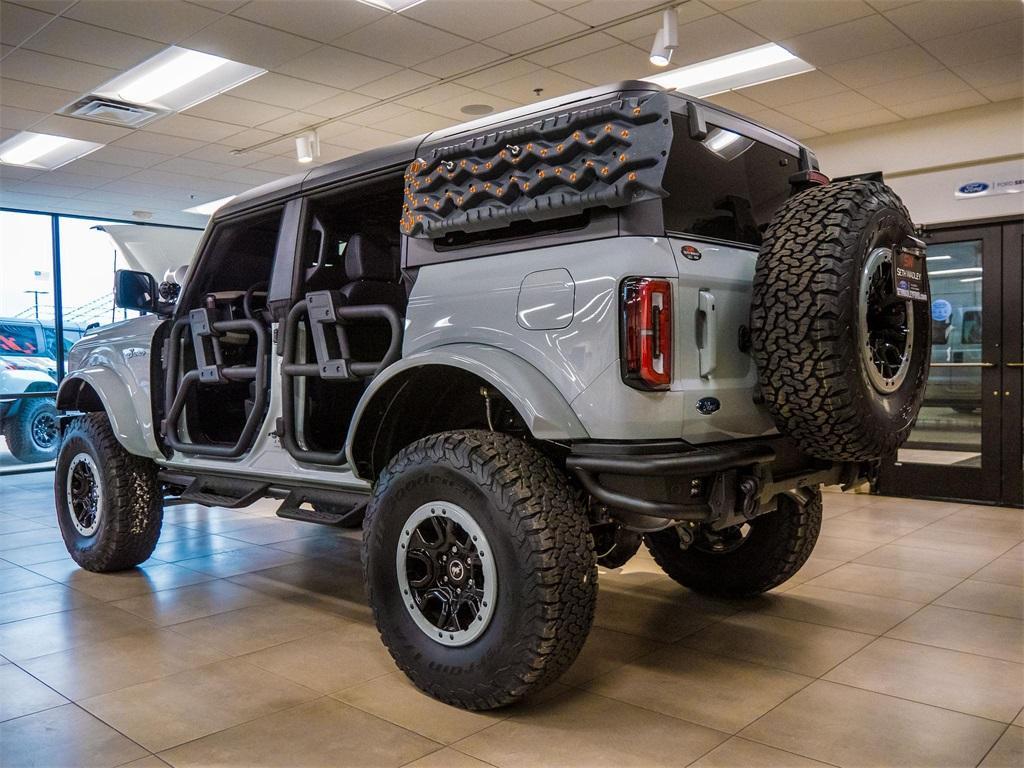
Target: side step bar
x=342, y=509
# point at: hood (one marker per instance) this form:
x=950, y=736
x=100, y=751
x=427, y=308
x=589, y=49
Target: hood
x=155, y=250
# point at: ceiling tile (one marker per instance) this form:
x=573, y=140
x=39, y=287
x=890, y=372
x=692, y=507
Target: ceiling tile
x=436, y=94
x=974, y=45
x=888, y=5
x=825, y=107
x=535, y=33
x=168, y=21
x=851, y=40
x=249, y=43
x=414, y=122
x=146, y=141
x=521, y=89
x=779, y=19
x=130, y=157
x=363, y=138
x=735, y=101
x=322, y=20
x=574, y=49
x=726, y=5
x=786, y=124
x=12, y=173
x=343, y=102
x=595, y=12
x=983, y=74
x=337, y=68
x=790, y=90
x=498, y=73
x=89, y=166
x=250, y=177
x=282, y=166
x=191, y=127
x=229, y=109
x=620, y=62
x=222, y=154
x=477, y=20
x=188, y=166
x=453, y=107
x=77, y=180
x=91, y=44
x=246, y=138
x=87, y=130
x=918, y=88
x=856, y=120
x=40, y=186
x=39, y=98
x=938, y=104
x=647, y=26
x=54, y=71
x=330, y=153
x=1004, y=91
x=18, y=24
x=710, y=37
x=928, y=20
x=19, y=119
x=283, y=91
x=400, y=82
x=374, y=115
x=462, y=60
x=896, y=64
x=47, y=6
x=400, y=41
x=293, y=121
x=224, y=6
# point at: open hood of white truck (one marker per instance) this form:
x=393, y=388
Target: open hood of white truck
x=153, y=249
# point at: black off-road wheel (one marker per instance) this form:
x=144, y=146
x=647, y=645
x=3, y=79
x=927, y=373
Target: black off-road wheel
x=746, y=560
x=842, y=360
x=33, y=433
x=108, y=501
x=479, y=567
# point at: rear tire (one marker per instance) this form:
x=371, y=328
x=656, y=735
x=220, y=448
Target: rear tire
x=776, y=547
x=517, y=526
x=33, y=434
x=108, y=501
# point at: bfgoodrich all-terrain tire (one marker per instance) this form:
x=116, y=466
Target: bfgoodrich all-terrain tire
x=479, y=567
x=772, y=550
x=108, y=501
x=841, y=360
x=33, y=433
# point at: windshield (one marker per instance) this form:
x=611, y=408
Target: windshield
x=726, y=186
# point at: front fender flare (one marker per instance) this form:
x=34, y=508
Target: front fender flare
x=542, y=407
x=132, y=426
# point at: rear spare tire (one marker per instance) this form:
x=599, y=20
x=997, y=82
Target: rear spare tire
x=841, y=360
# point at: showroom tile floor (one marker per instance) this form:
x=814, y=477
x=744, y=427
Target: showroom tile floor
x=246, y=641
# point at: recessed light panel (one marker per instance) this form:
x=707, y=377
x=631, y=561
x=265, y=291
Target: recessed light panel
x=178, y=78
x=43, y=151
x=736, y=70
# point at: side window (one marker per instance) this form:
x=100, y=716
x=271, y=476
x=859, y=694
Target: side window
x=18, y=339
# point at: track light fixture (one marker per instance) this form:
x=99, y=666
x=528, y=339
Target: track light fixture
x=307, y=147
x=666, y=40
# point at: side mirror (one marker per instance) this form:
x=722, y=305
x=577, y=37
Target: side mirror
x=135, y=290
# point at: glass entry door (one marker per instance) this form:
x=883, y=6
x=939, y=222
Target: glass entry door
x=966, y=443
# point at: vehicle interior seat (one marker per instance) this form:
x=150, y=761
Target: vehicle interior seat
x=374, y=278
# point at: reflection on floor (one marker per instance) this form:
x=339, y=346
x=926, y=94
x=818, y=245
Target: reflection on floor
x=8, y=462
x=944, y=436
x=944, y=458
x=246, y=641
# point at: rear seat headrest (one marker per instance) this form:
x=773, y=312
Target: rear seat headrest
x=365, y=259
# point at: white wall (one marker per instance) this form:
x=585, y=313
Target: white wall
x=925, y=160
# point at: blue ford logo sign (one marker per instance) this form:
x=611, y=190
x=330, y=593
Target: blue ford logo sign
x=973, y=188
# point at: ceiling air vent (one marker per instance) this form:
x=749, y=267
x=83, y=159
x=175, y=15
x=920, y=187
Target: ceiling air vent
x=111, y=111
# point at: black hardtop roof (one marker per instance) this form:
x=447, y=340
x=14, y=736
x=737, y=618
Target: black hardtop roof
x=404, y=152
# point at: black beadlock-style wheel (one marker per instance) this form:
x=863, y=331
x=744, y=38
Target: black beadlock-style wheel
x=746, y=560
x=842, y=361
x=108, y=501
x=479, y=567
x=33, y=433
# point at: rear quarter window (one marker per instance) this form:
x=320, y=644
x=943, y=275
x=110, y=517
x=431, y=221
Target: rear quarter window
x=726, y=187
x=18, y=339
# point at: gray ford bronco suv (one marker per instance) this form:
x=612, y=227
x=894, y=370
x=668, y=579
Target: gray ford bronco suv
x=513, y=350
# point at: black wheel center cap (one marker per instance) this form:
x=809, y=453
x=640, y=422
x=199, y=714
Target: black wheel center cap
x=456, y=570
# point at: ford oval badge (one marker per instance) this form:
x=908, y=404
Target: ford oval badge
x=708, y=405
x=973, y=188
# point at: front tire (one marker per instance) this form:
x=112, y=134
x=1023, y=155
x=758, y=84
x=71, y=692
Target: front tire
x=513, y=534
x=774, y=548
x=33, y=434
x=108, y=501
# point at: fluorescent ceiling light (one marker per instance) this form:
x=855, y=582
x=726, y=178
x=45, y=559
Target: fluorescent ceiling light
x=177, y=78
x=736, y=70
x=392, y=5
x=208, y=209
x=43, y=151
x=960, y=271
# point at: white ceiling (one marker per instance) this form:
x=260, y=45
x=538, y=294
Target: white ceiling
x=878, y=61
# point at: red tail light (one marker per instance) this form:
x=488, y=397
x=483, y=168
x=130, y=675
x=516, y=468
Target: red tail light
x=647, y=332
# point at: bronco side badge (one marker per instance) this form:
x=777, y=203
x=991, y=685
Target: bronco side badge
x=690, y=252
x=708, y=405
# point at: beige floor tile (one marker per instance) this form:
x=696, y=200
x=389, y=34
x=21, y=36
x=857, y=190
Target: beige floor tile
x=986, y=597
x=995, y=636
x=14, y=578
x=795, y=646
x=1008, y=751
x=96, y=668
x=151, y=761
x=970, y=522
x=54, y=632
x=321, y=733
x=39, y=601
x=837, y=608
x=236, y=561
x=914, y=558
x=21, y=694
x=886, y=582
x=854, y=728
x=259, y=626
x=604, y=651
x=330, y=545
x=844, y=550
x=40, y=553
x=1004, y=570
x=974, y=685
x=331, y=584
x=447, y=758
x=633, y=612
x=917, y=517
x=150, y=577
x=23, y=539
x=173, y=606
x=272, y=531
x=329, y=661
x=740, y=753
x=858, y=530
x=813, y=568
x=199, y=545
x=188, y=705
x=964, y=543
x=395, y=699
x=63, y=736
x=1020, y=719
x=580, y=728
x=9, y=524
x=716, y=691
